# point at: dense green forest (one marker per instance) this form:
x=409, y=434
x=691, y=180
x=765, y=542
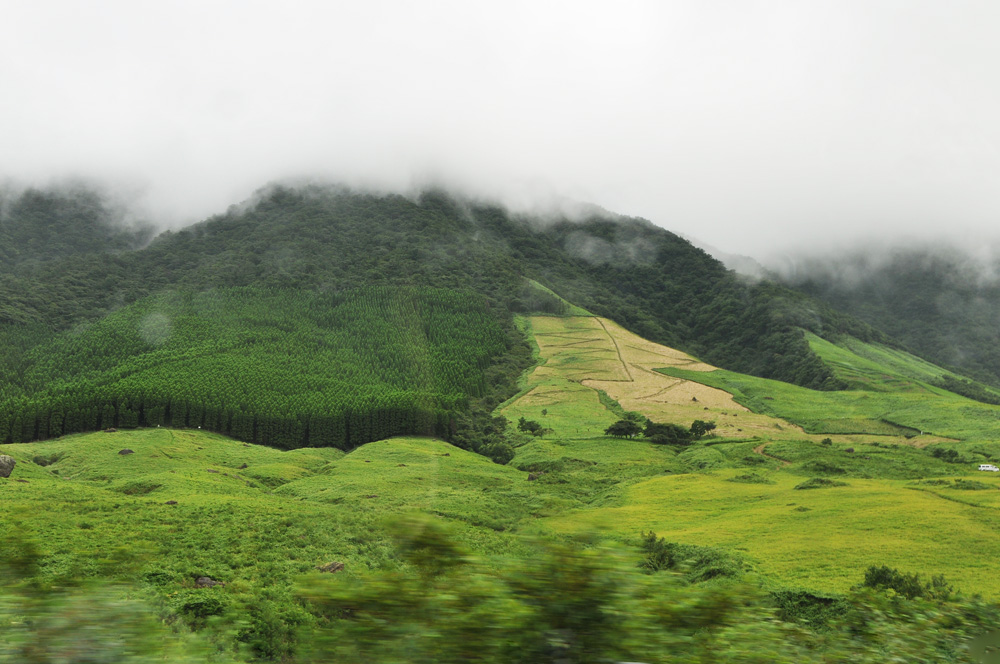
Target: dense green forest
x=272, y=366
x=942, y=303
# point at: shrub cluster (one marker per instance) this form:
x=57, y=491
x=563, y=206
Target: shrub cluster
x=660, y=433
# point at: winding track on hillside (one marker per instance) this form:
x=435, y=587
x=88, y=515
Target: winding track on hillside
x=760, y=450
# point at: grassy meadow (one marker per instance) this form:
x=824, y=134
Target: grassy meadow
x=817, y=539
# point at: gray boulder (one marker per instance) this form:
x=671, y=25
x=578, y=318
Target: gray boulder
x=6, y=465
x=207, y=582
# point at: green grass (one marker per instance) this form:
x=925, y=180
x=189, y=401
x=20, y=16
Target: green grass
x=820, y=539
x=427, y=475
x=571, y=409
x=874, y=366
x=97, y=514
x=202, y=471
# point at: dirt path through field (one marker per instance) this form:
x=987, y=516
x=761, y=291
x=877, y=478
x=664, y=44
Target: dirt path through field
x=760, y=450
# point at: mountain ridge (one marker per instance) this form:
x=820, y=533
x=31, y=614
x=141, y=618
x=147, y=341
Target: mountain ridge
x=328, y=239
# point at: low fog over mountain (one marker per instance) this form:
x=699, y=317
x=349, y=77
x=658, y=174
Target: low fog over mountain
x=755, y=127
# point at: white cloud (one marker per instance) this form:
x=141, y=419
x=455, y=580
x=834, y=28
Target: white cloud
x=752, y=125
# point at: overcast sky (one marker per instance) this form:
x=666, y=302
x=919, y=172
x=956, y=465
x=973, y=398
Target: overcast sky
x=755, y=126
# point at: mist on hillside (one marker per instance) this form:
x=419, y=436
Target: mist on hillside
x=940, y=299
x=66, y=218
x=960, y=264
x=753, y=127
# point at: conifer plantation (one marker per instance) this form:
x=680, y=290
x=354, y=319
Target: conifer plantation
x=275, y=367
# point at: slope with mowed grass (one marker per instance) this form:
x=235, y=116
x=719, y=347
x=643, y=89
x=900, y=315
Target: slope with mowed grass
x=568, y=352
x=580, y=357
x=888, y=512
x=874, y=366
x=895, y=400
x=584, y=356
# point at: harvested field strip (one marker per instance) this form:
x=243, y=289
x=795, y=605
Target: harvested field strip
x=601, y=355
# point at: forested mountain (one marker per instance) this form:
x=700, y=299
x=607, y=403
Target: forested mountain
x=940, y=302
x=66, y=348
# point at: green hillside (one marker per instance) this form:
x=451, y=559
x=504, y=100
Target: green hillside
x=892, y=490
x=500, y=556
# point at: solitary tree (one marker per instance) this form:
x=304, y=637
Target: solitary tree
x=699, y=428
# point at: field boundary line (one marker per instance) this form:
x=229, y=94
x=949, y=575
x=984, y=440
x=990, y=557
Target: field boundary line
x=951, y=498
x=617, y=350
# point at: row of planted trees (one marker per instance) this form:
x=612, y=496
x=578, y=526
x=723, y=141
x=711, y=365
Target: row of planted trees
x=342, y=425
x=286, y=369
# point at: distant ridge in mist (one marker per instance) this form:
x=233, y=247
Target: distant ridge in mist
x=941, y=301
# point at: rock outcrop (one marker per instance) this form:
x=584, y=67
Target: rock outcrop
x=207, y=582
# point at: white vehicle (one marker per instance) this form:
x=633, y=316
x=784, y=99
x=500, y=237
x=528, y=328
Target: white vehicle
x=990, y=467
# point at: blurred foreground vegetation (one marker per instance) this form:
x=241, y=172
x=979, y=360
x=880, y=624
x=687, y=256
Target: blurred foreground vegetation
x=568, y=601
